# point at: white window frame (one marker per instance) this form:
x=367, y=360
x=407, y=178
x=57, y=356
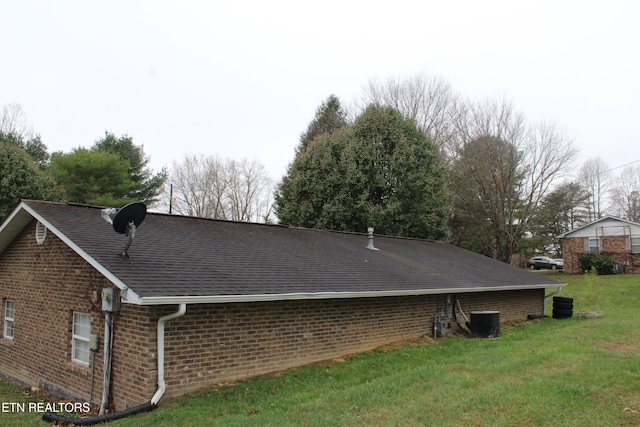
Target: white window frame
x=9, y=318
x=594, y=248
x=81, y=332
x=635, y=244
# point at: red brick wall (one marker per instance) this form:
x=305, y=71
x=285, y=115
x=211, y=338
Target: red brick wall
x=616, y=246
x=135, y=364
x=48, y=282
x=572, y=248
x=211, y=343
x=514, y=306
x=222, y=342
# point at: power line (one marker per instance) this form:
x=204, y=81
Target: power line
x=621, y=166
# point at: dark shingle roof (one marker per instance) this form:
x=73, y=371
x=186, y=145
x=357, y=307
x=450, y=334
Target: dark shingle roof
x=174, y=256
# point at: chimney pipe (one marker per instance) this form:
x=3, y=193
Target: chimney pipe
x=370, y=244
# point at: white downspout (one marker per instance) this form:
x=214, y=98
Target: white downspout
x=162, y=386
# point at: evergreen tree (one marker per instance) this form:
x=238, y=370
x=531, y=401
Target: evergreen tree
x=329, y=118
x=560, y=211
x=381, y=171
x=32, y=145
x=94, y=177
x=147, y=185
x=22, y=178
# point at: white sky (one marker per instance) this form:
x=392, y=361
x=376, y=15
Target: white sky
x=244, y=78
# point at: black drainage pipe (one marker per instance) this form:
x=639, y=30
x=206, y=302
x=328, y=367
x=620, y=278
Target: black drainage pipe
x=89, y=421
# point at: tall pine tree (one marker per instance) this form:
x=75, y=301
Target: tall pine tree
x=328, y=119
x=148, y=186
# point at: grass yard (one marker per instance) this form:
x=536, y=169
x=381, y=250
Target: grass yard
x=571, y=372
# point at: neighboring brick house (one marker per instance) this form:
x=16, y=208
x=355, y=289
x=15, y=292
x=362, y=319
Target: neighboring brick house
x=615, y=236
x=241, y=299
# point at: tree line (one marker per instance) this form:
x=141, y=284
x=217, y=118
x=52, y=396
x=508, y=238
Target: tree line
x=410, y=157
x=115, y=171
x=493, y=183
x=112, y=172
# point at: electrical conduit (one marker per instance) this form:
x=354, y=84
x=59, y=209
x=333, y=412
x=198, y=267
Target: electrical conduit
x=106, y=366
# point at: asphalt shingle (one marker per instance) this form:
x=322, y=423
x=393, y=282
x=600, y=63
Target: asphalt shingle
x=184, y=256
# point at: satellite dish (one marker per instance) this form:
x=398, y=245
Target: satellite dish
x=131, y=213
x=125, y=220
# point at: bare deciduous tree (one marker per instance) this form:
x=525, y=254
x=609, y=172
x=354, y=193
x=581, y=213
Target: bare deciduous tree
x=625, y=195
x=595, y=177
x=538, y=156
x=549, y=155
x=486, y=179
x=248, y=191
x=429, y=101
x=488, y=118
x=15, y=128
x=547, y=151
x=14, y=121
x=545, y=154
x=211, y=187
x=198, y=186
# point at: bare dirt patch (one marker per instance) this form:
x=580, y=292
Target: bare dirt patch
x=627, y=344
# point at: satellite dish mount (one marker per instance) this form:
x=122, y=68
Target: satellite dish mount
x=125, y=221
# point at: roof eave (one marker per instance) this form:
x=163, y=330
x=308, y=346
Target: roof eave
x=220, y=299
x=128, y=295
x=16, y=222
x=608, y=217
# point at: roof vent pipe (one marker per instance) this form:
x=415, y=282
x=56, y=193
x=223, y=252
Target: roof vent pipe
x=370, y=244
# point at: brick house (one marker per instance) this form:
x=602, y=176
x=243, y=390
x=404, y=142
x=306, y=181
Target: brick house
x=615, y=236
x=206, y=301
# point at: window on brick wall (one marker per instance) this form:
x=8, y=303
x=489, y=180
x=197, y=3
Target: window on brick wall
x=80, y=340
x=594, y=245
x=635, y=244
x=9, y=317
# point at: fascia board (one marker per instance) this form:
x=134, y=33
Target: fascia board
x=220, y=299
x=12, y=226
x=128, y=295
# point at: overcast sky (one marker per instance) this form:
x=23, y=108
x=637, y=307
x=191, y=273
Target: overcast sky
x=244, y=78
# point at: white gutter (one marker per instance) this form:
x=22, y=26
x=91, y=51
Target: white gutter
x=162, y=386
x=213, y=299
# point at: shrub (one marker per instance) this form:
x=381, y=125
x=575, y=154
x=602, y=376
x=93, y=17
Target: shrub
x=602, y=263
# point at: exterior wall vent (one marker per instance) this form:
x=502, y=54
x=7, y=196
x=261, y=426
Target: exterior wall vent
x=41, y=233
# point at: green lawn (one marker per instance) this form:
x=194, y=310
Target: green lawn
x=571, y=372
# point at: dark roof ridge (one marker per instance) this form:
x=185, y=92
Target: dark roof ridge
x=149, y=212
x=294, y=227
x=172, y=215
x=85, y=205
x=360, y=233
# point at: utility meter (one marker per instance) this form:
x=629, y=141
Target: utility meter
x=110, y=299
